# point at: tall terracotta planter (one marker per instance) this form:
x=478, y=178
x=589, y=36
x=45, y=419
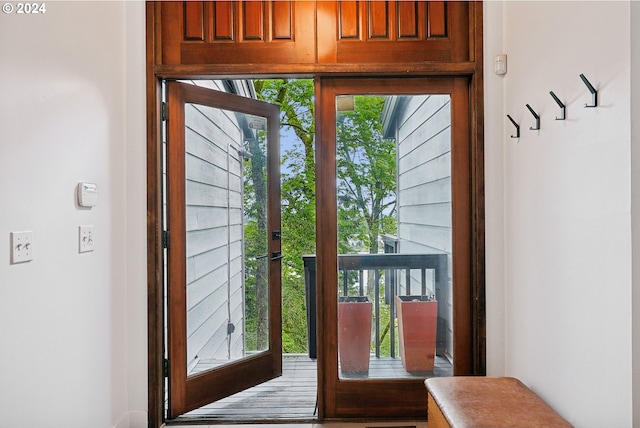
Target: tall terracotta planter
x=354, y=333
x=417, y=326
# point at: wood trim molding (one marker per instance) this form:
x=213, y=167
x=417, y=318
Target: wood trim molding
x=477, y=198
x=155, y=305
x=352, y=69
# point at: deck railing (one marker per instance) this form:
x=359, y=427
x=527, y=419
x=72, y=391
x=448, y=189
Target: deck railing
x=382, y=266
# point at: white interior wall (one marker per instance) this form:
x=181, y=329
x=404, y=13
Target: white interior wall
x=73, y=325
x=494, y=191
x=560, y=252
x=635, y=206
x=136, y=209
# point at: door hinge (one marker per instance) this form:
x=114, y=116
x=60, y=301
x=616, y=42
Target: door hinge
x=165, y=239
x=164, y=111
x=166, y=367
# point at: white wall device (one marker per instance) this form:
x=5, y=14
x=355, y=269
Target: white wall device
x=85, y=236
x=500, y=66
x=21, y=246
x=87, y=194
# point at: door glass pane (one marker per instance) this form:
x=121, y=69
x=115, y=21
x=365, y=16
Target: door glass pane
x=226, y=236
x=395, y=312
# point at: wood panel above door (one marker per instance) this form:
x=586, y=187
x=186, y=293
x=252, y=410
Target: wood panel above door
x=314, y=33
x=237, y=32
x=392, y=31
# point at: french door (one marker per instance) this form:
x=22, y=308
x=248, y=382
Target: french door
x=410, y=160
x=331, y=39
x=223, y=245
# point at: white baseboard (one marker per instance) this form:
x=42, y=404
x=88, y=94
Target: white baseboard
x=136, y=419
x=123, y=422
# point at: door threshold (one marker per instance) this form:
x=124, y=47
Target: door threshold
x=294, y=423
x=183, y=421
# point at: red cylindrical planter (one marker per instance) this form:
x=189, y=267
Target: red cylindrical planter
x=354, y=334
x=417, y=326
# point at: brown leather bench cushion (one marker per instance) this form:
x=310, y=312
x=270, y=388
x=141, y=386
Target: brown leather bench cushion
x=486, y=402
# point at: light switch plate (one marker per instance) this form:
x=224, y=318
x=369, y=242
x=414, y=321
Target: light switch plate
x=85, y=242
x=21, y=247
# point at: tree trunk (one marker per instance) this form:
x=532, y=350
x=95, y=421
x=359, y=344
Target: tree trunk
x=258, y=177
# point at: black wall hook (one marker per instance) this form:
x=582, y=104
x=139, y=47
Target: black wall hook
x=562, y=106
x=537, y=127
x=517, y=127
x=594, y=93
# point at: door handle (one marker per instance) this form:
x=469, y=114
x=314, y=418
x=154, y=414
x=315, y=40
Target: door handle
x=276, y=255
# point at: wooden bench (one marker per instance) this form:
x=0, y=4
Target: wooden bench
x=474, y=402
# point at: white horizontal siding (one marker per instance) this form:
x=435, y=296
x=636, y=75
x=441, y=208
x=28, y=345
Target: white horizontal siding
x=206, y=217
x=205, y=285
x=436, y=192
x=198, y=194
x=203, y=172
x=204, y=320
x=426, y=119
x=429, y=239
x=425, y=172
x=206, y=309
x=237, y=317
x=213, y=193
x=205, y=263
x=423, y=138
x=198, y=146
x=204, y=240
x=216, y=347
x=219, y=127
x=437, y=214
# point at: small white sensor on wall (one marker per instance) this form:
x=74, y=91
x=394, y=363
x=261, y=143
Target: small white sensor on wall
x=500, y=65
x=87, y=194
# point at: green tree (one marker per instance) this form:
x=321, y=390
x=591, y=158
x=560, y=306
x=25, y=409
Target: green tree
x=256, y=246
x=366, y=163
x=296, y=101
x=366, y=175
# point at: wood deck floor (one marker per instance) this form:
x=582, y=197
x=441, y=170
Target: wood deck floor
x=292, y=396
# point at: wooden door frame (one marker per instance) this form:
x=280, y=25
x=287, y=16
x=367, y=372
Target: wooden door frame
x=155, y=72
x=385, y=398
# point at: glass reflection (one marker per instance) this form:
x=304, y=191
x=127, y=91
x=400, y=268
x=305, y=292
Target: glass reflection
x=226, y=238
x=394, y=236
